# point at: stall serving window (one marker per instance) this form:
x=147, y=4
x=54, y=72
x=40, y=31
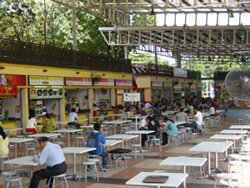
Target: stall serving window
x=45, y=100
x=102, y=98
x=10, y=96
x=45, y=94
x=78, y=99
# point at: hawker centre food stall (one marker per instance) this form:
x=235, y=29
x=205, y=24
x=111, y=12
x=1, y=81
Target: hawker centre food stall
x=56, y=90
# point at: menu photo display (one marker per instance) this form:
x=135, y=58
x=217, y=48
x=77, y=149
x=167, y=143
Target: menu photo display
x=46, y=93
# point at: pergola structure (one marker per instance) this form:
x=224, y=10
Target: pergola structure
x=181, y=28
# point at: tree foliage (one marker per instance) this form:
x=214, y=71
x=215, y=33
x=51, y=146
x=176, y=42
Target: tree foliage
x=208, y=68
x=45, y=22
x=146, y=59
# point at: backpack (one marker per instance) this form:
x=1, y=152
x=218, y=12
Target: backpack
x=92, y=141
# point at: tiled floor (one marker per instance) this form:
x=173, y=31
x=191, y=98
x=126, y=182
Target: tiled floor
x=117, y=177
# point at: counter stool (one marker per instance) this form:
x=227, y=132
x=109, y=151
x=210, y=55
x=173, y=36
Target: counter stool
x=13, y=180
x=61, y=177
x=90, y=166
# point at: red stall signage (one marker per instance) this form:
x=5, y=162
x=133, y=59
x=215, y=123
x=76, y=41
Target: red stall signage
x=12, y=80
x=8, y=91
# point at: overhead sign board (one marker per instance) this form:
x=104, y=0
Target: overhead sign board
x=123, y=83
x=131, y=97
x=178, y=72
x=46, y=80
x=78, y=81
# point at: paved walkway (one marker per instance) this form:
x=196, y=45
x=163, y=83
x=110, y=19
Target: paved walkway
x=117, y=177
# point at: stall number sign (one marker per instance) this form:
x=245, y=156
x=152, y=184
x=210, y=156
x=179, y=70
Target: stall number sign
x=131, y=97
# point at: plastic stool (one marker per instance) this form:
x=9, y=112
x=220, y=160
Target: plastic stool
x=223, y=176
x=136, y=149
x=156, y=142
x=189, y=131
x=63, y=180
x=93, y=168
x=11, y=180
x=3, y=158
x=96, y=159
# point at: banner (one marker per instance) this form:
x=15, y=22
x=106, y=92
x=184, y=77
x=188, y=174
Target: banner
x=131, y=97
x=78, y=81
x=46, y=93
x=46, y=80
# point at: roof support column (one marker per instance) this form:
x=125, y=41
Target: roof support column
x=178, y=60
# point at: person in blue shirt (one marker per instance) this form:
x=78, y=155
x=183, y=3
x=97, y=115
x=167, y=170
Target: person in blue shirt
x=170, y=127
x=97, y=132
x=51, y=155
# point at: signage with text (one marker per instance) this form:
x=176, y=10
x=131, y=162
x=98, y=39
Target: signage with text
x=123, y=83
x=78, y=81
x=46, y=80
x=131, y=97
x=105, y=82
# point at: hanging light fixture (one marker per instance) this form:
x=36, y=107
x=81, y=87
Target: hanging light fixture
x=152, y=13
x=231, y=14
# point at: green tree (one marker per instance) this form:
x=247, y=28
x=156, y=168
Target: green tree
x=16, y=19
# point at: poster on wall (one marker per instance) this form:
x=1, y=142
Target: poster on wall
x=46, y=80
x=131, y=97
x=46, y=93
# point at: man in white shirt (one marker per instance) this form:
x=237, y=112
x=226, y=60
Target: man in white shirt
x=51, y=155
x=198, y=119
x=73, y=118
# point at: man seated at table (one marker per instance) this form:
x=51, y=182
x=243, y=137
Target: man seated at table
x=181, y=116
x=153, y=125
x=51, y=155
x=95, y=140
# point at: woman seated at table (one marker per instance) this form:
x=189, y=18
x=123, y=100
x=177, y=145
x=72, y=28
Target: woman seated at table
x=48, y=124
x=170, y=128
x=4, y=143
x=31, y=124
